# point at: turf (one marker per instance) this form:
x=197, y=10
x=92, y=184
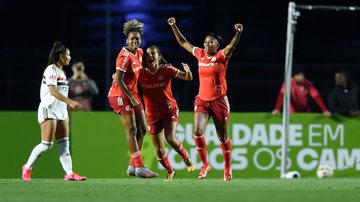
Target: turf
x=156, y=190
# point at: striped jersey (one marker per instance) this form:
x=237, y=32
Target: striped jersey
x=53, y=76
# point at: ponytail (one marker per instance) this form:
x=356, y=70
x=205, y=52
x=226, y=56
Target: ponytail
x=55, y=52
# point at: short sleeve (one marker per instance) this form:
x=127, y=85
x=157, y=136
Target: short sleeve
x=51, y=76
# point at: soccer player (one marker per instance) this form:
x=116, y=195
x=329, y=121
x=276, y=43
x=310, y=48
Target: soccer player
x=53, y=115
x=211, y=100
x=124, y=98
x=301, y=90
x=162, y=112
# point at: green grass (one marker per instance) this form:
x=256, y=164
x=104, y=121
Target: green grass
x=156, y=190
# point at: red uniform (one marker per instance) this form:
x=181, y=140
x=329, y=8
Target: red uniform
x=212, y=97
x=158, y=98
x=300, y=93
x=131, y=64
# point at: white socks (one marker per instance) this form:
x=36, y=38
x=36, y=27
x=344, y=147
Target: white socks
x=64, y=155
x=36, y=153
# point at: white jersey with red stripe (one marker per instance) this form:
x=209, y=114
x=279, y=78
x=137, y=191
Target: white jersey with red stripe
x=50, y=107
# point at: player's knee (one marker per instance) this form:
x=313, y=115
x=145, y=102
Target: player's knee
x=132, y=130
x=198, y=131
x=141, y=130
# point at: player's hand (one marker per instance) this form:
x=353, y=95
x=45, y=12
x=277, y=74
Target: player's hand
x=238, y=27
x=275, y=112
x=171, y=21
x=75, y=105
x=327, y=113
x=83, y=76
x=186, y=67
x=113, y=76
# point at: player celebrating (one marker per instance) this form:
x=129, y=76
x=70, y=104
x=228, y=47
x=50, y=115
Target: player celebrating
x=125, y=100
x=211, y=100
x=53, y=115
x=161, y=108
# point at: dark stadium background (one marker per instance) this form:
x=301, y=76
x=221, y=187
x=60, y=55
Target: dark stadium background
x=92, y=29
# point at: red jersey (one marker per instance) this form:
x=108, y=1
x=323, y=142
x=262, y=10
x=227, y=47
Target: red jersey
x=156, y=90
x=212, y=74
x=300, y=93
x=131, y=64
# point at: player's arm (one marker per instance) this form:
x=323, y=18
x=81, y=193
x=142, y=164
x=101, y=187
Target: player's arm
x=185, y=75
x=279, y=101
x=316, y=96
x=119, y=76
x=179, y=37
x=54, y=92
x=228, y=50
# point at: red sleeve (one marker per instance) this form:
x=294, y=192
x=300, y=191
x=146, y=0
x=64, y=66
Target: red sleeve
x=279, y=100
x=122, y=61
x=316, y=96
x=172, y=70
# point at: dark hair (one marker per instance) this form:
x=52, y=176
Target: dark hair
x=162, y=59
x=216, y=36
x=77, y=60
x=55, y=52
x=298, y=69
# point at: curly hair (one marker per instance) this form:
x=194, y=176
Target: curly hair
x=133, y=26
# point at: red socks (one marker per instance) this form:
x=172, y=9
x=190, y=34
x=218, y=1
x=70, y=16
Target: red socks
x=200, y=143
x=226, y=150
x=137, y=159
x=165, y=163
x=182, y=152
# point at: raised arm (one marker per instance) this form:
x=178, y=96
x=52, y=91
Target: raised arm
x=187, y=75
x=179, y=37
x=228, y=50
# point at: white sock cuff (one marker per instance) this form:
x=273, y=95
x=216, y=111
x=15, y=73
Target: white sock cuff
x=65, y=139
x=47, y=144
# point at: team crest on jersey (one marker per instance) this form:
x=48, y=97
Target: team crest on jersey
x=127, y=108
x=302, y=89
x=213, y=59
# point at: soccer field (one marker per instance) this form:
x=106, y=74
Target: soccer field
x=156, y=190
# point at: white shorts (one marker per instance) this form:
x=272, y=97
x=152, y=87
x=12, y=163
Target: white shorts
x=57, y=113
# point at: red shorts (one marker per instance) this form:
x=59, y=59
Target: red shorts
x=218, y=109
x=156, y=125
x=122, y=105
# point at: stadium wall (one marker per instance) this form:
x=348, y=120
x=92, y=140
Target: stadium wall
x=99, y=149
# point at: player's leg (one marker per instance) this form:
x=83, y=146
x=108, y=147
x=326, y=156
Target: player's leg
x=140, y=126
x=220, y=113
x=129, y=123
x=62, y=137
x=48, y=128
x=200, y=122
x=159, y=144
x=170, y=131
